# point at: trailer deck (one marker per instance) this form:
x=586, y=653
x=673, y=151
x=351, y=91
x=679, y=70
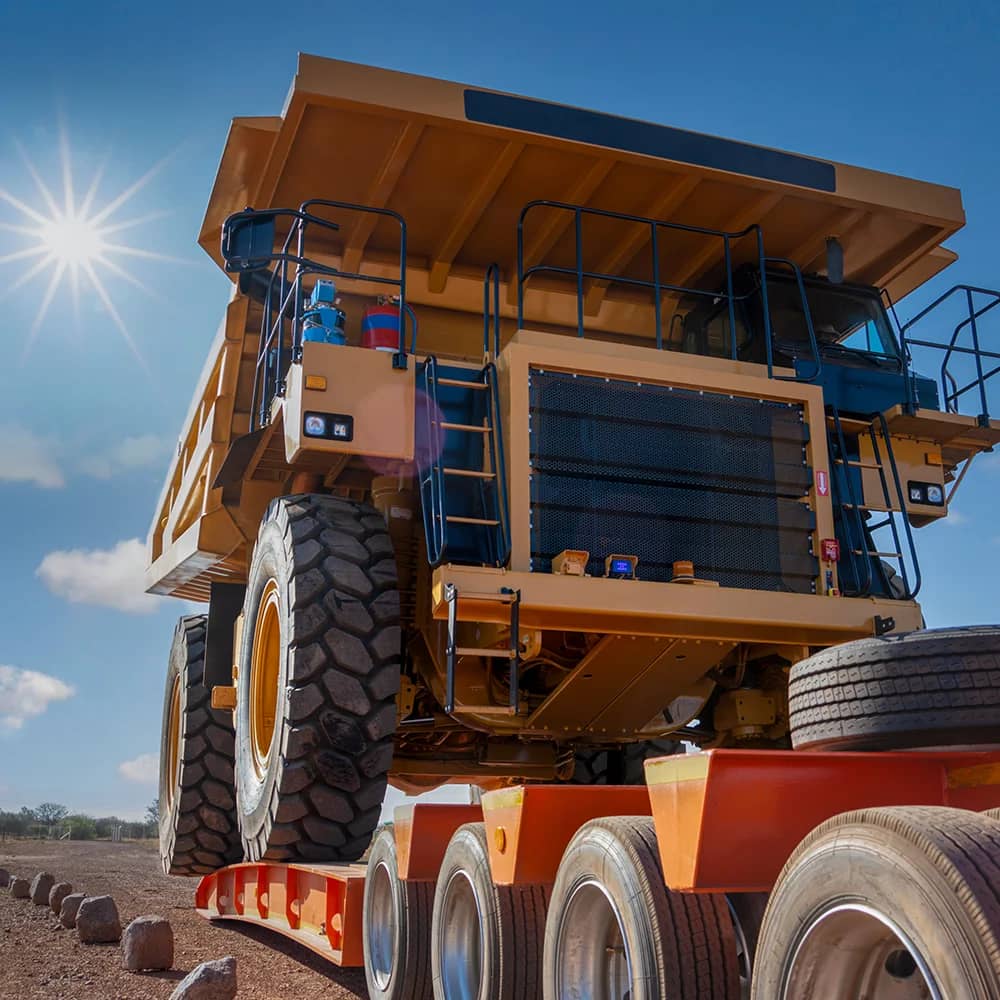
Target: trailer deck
x=726, y=822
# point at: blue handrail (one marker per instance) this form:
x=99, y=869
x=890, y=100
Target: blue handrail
x=491, y=311
x=656, y=227
x=286, y=280
x=952, y=348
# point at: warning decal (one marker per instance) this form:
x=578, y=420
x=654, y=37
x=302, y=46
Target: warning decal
x=822, y=483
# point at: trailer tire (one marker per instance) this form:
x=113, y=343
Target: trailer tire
x=624, y=765
x=870, y=896
x=610, y=912
x=937, y=687
x=397, y=925
x=319, y=666
x=197, y=827
x=485, y=939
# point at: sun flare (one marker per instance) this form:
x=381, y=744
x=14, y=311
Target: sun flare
x=73, y=239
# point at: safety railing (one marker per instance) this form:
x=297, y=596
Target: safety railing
x=491, y=311
x=963, y=370
x=248, y=247
x=657, y=234
x=432, y=486
x=869, y=562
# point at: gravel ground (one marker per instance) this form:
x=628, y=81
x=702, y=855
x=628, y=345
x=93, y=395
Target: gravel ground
x=38, y=958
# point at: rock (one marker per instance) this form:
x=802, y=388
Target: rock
x=97, y=921
x=57, y=894
x=41, y=886
x=4, y=878
x=20, y=888
x=69, y=908
x=148, y=945
x=208, y=981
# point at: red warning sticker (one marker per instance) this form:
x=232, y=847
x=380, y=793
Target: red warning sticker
x=822, y=483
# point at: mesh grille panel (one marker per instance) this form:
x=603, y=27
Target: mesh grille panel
x=667, y=474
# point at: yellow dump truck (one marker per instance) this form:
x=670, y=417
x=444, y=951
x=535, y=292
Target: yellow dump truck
x=535, y=443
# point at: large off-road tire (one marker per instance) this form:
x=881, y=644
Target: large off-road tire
x=319, y=666
x=397, y=927
x=197, y=805
x=935, y=688
x=615, y=930
x=896, y=902
x=623, y=765
x=485, y=939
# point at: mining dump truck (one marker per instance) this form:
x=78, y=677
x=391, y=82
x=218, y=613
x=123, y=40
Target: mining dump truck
x=580, y=459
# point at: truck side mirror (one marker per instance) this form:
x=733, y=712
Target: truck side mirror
x=248, y=240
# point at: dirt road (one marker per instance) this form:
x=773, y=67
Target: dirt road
x=40, y=959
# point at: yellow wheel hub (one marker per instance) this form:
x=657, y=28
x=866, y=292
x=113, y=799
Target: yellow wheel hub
x=265, y=668
x=174, y=728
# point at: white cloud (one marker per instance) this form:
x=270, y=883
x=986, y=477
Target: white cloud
x=27, y=458
x=956, y=518
x=27, y=693
x=108, y=578
x=144, y=769
x=140, y=452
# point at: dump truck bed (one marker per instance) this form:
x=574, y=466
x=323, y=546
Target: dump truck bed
x=459, y=164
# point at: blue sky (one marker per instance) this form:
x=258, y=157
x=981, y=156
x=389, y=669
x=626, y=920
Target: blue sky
x=86, y=430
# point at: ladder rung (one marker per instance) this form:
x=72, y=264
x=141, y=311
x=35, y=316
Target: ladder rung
x=496, y=654
x=464, y=385
x=471, y=428
x=454, y=519
x=879, y=555
x=470, y=472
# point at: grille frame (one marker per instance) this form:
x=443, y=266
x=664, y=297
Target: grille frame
x=614, y=498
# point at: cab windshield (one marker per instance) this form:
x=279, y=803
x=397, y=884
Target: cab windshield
x=848, y=320
x=842, y=315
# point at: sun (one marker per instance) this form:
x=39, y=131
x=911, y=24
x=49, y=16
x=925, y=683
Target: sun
x=72, y=239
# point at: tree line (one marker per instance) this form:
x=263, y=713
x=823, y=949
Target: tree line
x=53, y=820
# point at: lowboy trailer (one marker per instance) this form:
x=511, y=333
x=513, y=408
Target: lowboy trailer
x=537, y=448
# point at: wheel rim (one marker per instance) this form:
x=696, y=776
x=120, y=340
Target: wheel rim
x=592, y=958
x=265, y=666
x=382, y=929
x=851, y=950
x=461, y=943
x=173, y=740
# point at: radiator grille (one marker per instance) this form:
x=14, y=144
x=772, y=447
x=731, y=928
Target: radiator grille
x=667, y=474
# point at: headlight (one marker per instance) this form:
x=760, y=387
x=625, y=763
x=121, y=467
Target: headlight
x=315, y=425
x=929, y=494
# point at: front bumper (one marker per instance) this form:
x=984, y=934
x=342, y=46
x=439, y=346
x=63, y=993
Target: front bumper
x=677, y=610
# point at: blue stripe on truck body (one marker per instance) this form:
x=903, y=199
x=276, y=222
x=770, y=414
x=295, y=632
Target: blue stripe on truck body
x=662, y=141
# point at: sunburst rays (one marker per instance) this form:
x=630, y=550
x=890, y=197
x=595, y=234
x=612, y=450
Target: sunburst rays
x=74, y=241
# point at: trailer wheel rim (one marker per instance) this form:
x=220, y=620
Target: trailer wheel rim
x=850, y=950
x=265, y=667
x=461, y=940
x=174, y=724
x=382, y=929
x=592, y=958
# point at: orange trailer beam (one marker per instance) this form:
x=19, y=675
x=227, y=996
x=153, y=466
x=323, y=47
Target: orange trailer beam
x=318, y=906
x=728, y=820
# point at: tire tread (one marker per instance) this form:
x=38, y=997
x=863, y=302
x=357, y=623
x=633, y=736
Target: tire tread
x=200, y=835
